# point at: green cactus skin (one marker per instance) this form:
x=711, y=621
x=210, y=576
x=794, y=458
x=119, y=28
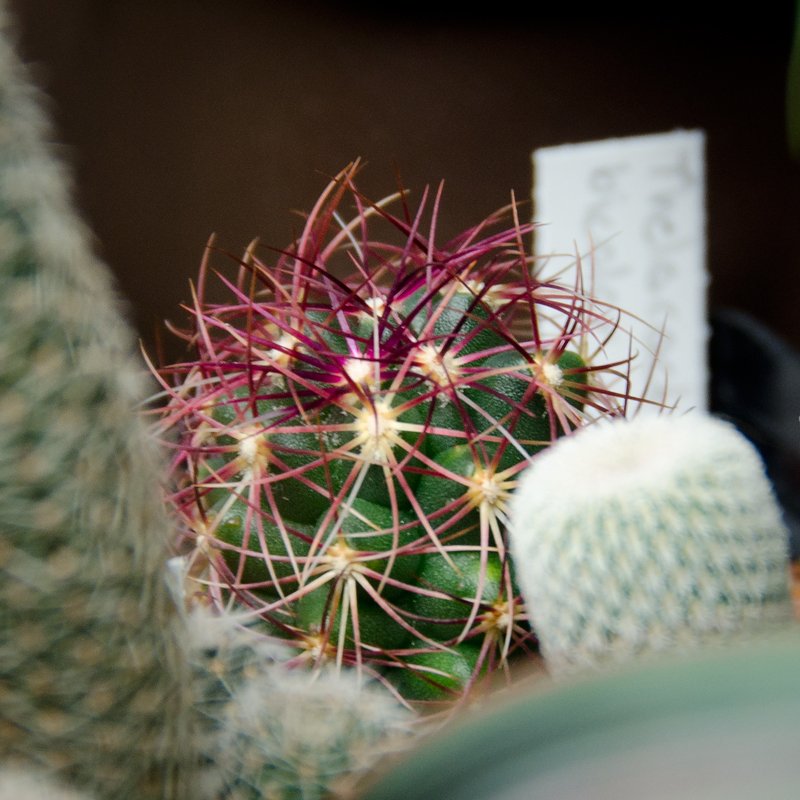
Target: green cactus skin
x=94, y=683
x=635, y=537
x=342, y=433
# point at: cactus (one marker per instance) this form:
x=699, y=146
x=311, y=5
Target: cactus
x=18, y=784
x=349, y=426
x=94, y=681
x=274, y=732
x=637, y=536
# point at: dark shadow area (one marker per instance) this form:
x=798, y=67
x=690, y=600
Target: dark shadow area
x=189, y=117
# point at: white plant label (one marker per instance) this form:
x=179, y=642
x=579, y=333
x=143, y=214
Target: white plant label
x=633, y=209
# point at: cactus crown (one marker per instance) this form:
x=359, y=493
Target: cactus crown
x=352, y=422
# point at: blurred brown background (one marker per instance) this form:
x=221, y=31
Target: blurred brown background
x=183, y=117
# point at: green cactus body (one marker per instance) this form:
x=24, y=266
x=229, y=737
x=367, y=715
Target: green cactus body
x=636, y=537
x=95, y=691
x=431, y=675
x=360, y=426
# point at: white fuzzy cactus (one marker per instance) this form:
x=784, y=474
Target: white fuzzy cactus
x=287, y=737
x=17, y=783
x=637, y=536
x=281, y=733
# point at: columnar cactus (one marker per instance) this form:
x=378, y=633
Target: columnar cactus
x=351, y=423
x=24, y=784
x=94, y=690
x=639, y=536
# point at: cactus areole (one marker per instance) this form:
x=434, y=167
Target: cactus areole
x=352, y=422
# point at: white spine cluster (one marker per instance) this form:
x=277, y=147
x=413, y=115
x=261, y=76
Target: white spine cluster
x=632, y=537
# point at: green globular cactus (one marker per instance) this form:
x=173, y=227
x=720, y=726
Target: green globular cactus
x=94, y=683
x=349, y=426
x=280, y=733
x=640, y=536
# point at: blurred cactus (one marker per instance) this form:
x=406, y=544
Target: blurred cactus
x=22, y=784
x=634, y=537
x=94, y=684
x=280, y=733
x=716, y=723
